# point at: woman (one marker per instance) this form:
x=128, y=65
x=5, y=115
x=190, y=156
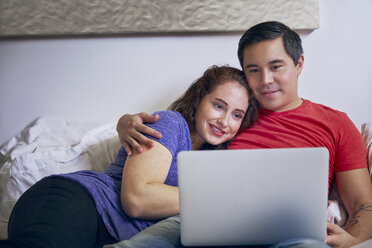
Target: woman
x=90, y=209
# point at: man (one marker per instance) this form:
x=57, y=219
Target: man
x=272, y=58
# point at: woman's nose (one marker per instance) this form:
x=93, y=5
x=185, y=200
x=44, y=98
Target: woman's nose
x=223, y=120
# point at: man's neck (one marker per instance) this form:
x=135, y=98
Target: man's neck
x=291, y=106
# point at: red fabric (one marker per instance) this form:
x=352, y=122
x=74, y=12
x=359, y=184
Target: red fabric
x=309, y=125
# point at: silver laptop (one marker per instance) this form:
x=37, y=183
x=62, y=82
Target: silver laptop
x=252, y=197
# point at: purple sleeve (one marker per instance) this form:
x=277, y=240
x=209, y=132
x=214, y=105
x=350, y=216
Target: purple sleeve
x=174, y=130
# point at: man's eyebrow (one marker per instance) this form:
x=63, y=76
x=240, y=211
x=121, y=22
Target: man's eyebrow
x=276, y=61
x=270, y=63
x=219, y=99
x=250, y=66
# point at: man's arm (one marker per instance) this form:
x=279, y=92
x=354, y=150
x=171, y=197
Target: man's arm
x=130, y=127
x=355, y=190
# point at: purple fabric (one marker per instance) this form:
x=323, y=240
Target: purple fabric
x=105, y=187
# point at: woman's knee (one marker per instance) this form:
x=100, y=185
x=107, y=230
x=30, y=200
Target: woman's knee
x=53, y=212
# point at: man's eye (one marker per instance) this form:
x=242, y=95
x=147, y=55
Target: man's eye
x=277, y=67
x=253, y=70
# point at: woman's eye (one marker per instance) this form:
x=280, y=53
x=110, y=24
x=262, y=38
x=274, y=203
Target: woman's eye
x=218, y=106
x=238, y=116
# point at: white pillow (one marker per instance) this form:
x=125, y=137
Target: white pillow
x=366, y=130
x=49, y=146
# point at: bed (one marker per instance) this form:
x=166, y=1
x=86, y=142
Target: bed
x=52, y=145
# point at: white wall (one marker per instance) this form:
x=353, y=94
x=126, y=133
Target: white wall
x=338, y=57
x=99, y=79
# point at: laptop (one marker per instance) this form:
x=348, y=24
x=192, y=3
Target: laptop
x=252, y=197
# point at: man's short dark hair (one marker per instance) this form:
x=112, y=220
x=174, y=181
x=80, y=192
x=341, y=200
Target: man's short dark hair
x=269, y=31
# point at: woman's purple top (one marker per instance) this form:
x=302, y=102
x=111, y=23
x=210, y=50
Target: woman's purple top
x=105, y=187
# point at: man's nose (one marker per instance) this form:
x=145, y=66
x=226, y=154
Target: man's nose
x=266, y=77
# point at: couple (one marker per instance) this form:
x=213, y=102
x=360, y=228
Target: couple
x=88, y=209
x=271, y=57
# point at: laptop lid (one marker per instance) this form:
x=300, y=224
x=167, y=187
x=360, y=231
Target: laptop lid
x=252, y=197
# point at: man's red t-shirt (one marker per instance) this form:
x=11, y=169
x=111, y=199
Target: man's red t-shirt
x=309, y=125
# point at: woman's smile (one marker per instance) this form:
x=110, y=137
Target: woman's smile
x=216, y=131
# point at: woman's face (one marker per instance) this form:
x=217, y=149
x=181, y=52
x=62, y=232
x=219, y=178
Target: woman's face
x=220, y=114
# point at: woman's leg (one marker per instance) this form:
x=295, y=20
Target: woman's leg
x=165, y=234
x=56, y=212
x=301, y=243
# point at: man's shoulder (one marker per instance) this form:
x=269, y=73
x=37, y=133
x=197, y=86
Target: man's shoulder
x=323, y=109
x=330, y=116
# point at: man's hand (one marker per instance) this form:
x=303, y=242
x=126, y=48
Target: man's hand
x=338, y=237
x=130, y=127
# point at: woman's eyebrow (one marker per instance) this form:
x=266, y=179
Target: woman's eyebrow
x=219, y=99
x=240, y=110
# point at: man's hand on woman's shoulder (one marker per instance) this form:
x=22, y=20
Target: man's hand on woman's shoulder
x=130, y=129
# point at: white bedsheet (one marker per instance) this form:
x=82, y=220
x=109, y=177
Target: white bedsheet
x=47, y=146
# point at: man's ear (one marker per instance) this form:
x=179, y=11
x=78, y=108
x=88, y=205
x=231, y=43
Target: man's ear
x=300, y=64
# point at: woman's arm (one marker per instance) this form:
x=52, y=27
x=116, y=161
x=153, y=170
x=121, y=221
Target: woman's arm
x=144, y=194
x=129, y=128
x=355, y=190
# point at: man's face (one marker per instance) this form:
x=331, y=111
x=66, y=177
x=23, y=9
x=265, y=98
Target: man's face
x=272, y=75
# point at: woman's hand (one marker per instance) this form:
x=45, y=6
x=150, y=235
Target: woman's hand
x=338, y=237
x=130, y=127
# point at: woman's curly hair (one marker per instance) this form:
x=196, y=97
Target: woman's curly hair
x=214, y=76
